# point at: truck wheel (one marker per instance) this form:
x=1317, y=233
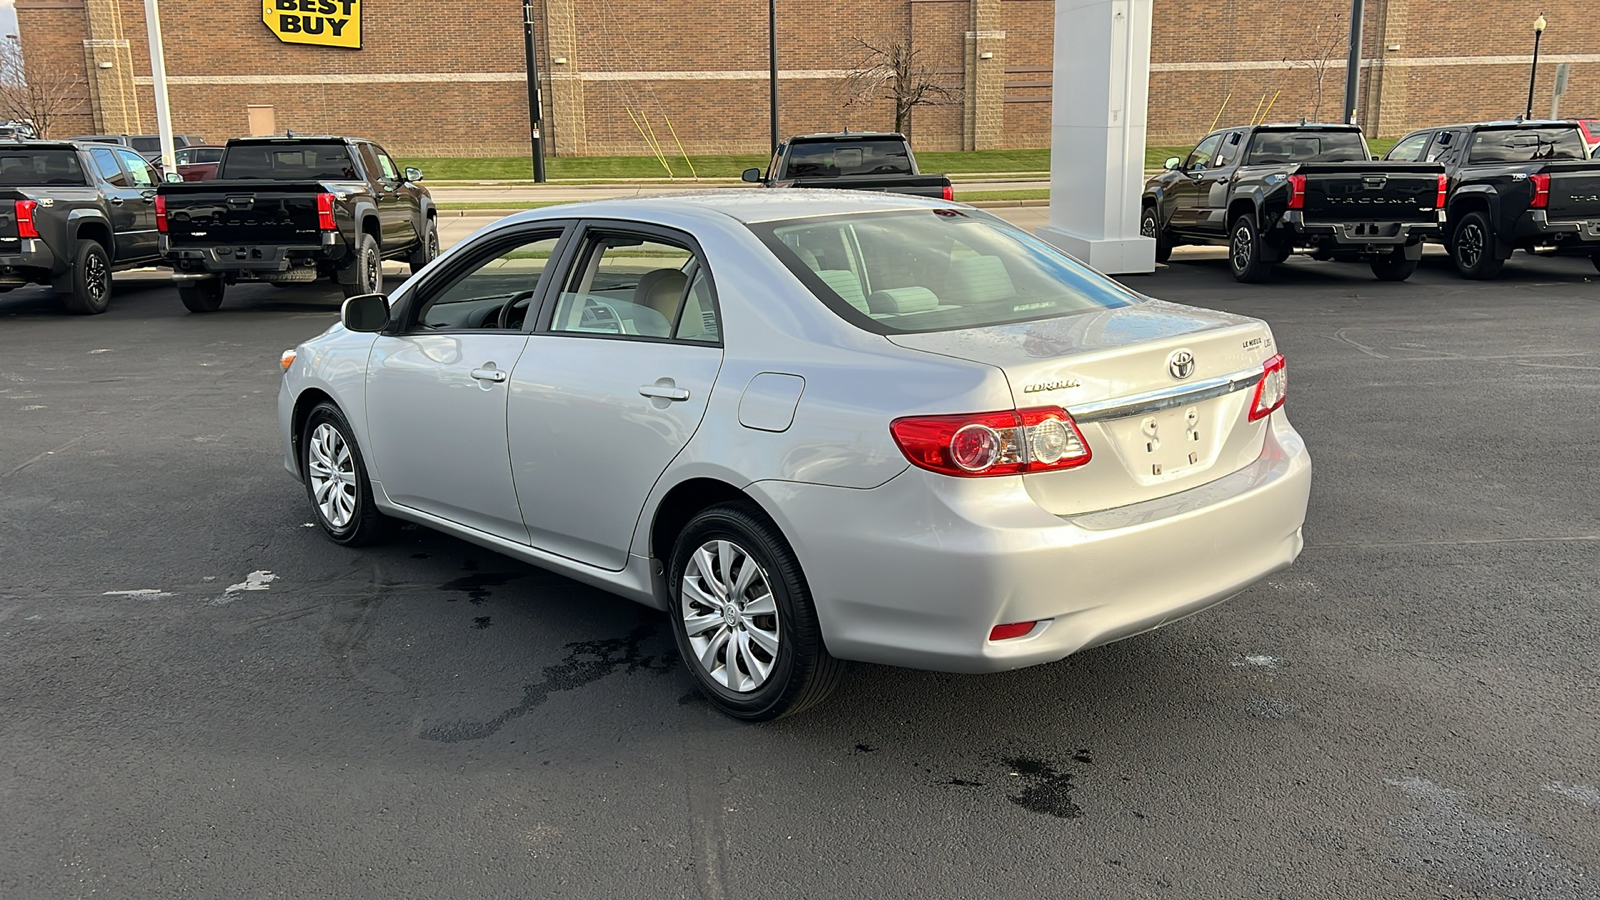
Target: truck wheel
x=368, y=266
x=1149, y=228
x=1249, y=256
x=427, y=248
x=91, y=280
x=1473, y=248
x=202, y=296
x=1393, y=266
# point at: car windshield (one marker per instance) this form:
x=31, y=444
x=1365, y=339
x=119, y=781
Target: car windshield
x=1313, y=145
x=935, y=270
x=1499, y=145
x=297, y=162
x=830, y=159
x=36, y=167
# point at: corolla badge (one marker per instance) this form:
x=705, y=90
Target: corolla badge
x=1180, y=364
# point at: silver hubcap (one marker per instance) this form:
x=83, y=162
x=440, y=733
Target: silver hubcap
x=333, y=475
x=1243, y=247
x=1469, y=244
x=730, y=616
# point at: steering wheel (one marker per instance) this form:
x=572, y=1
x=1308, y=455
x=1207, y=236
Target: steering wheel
x=515, y=311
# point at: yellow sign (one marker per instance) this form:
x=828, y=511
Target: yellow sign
x=326, y=23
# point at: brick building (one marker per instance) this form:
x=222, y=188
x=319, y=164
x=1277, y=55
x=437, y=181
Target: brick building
x=445, y=78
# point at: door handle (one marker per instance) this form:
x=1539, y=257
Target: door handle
x=490, y=374
x=116, y=201
x=663, y=392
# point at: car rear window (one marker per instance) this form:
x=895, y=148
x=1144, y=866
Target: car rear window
x=831, y=159
x=935, y=270
x=37, y=167
x=297, y=162
x=1527, y=145
x=1277, y=147
x=146, y=144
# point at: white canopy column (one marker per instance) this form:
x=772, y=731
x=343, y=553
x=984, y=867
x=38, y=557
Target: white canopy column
x=1100, y=95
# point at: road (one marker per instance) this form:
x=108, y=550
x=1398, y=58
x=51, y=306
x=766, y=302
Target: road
x=202, y=697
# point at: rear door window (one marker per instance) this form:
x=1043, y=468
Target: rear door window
x=106, y=162
x=627, y=285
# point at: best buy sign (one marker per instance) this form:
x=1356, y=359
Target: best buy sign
x=326, y=23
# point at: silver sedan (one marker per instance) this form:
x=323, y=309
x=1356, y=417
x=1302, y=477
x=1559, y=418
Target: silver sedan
x=811, y=426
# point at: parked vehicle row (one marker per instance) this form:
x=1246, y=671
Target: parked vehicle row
x=1482, y=190
x=866, y=161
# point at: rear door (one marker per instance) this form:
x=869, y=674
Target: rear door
x=1213, y=185
x=613, y=384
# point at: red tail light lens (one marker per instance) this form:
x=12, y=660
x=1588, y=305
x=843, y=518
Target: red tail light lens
x=325, y=213
x=25, y=226
x=1272, y=390
x=1297, y=192
x=1011, y=630
x=161, y=213
x=1444, y=188
x=1541, y=191
x=984, y=444
x=949, y=193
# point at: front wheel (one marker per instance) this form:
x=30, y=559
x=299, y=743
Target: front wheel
x=1473, y=248
x=1393, y=266
x=89, y=293
x=368, y=268
x=743, y=618
x=1249, y=256
x=1150, y=227
x=427, y=247
x=202, y=296
x=336, y=479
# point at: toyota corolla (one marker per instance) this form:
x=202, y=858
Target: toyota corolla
x=811, y=426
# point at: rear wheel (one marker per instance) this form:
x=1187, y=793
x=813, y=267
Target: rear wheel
x=1249, y=256
x=1473, y=248
x=90, y=288
x=427, y=247
x=367, y=266
x=202, y=296
x=1393, y=266
x=743, y=618
x=1150, y=227
x=336, y=479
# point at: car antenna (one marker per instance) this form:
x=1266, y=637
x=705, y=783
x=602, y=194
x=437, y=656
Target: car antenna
x=1302, y=120
x=288, y=132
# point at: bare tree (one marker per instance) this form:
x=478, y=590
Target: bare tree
x=1326, y=46
x=37, y=98
x=892, y=69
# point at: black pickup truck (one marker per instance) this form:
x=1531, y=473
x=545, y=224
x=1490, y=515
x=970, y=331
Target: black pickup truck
x=1513, y=185
x=853, y=162
x=1267, y=191
x=290, y=210
x=70, y=215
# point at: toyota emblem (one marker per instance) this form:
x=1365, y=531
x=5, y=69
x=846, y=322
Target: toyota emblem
x=1180, y=364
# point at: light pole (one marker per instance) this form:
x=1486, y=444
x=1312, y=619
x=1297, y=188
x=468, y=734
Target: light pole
x=535, y=114
x=1352, y=71
x=1538, y=32
x=772, y=68
x=158, y=78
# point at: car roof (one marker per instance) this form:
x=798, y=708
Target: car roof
x=1506, y=123
x=40, y=144
x=747, y=205
x=848, y=136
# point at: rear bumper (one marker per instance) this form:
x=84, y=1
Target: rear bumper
x=248, y=260
x=1362, y=233
x=22, y=259
x=1581, y=237
x=916, y=572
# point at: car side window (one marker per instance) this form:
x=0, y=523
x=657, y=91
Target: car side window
x=106, y=162
x=369, y=161
x=697, y=321
x=390, y=173
x=1410, y=149
x=1228, y=151
x=144, y=175
x=495, y=293
x=1202, y=155
x=1443, y=149
x=624, y=284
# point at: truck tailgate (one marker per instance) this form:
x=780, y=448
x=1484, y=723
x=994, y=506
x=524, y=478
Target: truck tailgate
x=1574, y=190
x=213, y=213
x=1371, y=191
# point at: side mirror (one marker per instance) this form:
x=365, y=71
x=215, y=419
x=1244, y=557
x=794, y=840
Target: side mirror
x=413, y=173
x=1171, y=163
x=752, y=175
x=1376, y=158
x=367, y=313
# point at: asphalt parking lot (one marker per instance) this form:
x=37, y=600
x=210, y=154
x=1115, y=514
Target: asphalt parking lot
x=201, y=696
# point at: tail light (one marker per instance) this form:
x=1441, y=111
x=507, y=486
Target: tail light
x=1271, y=390
x=325, y=213
x=1297, y=192
x=1444, y=188
x=1011, y=630
x=1013, y=442
x=25, y=226
x=948, y=193
x=161, y=213
x=1541, y=191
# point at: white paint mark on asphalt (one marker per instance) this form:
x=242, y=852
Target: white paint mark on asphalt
x=258, y=580
x=309, y=525
x=139, y=594
x=102, y=350
x=1271, y=708
x=32, y=408
x=1259, y=661
x=1578, y=793
x=33, y=618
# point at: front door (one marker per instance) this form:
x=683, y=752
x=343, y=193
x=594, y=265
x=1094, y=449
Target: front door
x=437, y=389
x=611, y=387
x=396, y=202
x=141, y=238
x=1187, y=200
x=122, y=204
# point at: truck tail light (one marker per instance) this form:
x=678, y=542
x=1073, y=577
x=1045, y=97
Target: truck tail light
x=1013, y=442
x=161, y=214
x=1444, y=188
x=1297, y=192
x=1271, y=390
x=948, y=193
x=1541, y=191
x=25, y=226
x=325, y=213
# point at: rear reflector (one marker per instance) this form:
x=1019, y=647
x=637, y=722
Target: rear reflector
x=1541, y=191
x=1444, y=188
x=325, y=213
x=161, y=213
x=1297, y=192
x=1013, y=630
x=1272, y=390
x=25, y=226
x=1013, y=442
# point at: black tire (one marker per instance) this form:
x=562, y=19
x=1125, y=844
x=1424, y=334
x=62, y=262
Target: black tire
x=801, y=672
x=1393, y=266
x=367, y=268
x=363, y=524
x=1473, y=246
x=1151, y=228
x=1249, y=257
x=89, y=291
x=202, y=296
x=427, y=248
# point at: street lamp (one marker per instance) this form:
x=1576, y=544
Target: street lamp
x=772, y=67
x=1538, y=32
